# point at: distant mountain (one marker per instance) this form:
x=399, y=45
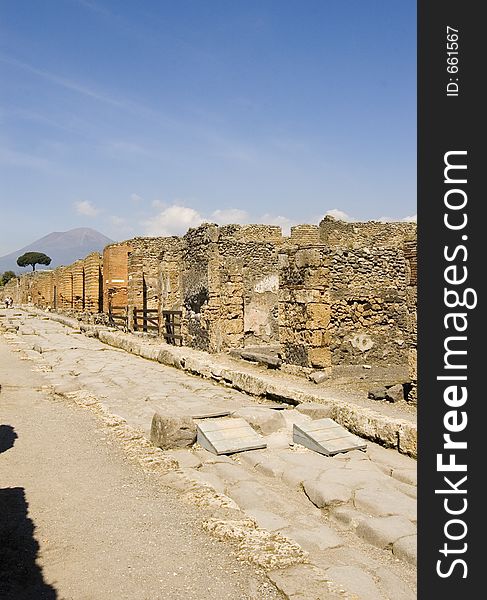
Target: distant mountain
x=64, y=247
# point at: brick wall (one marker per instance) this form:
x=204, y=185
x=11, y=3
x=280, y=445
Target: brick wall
x=93, y=280
x=115, y=274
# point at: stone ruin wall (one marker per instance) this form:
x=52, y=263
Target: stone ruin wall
x=343, y=294
x=143, y=277
x=342, y=234
x=247, y=285
x=368, y=306
x=77, y=287
x=224, y=279
x=334, y=294
x=42, y=288
x=198, y=302
x=411, y=254
x=304, y=303
x=368, y=291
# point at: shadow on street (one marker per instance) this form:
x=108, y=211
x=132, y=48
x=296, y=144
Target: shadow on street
x=7, y=437
x=20, y=577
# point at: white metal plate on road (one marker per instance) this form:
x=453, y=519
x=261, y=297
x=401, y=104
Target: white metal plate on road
x=226, y=436
x=327, y=437
x=207, y=413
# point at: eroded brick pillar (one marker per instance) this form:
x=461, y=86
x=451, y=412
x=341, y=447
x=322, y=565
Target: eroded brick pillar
x=93, y=283
x=78, y=274
x=304, y=307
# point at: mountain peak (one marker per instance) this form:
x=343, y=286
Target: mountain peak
x=64, y=247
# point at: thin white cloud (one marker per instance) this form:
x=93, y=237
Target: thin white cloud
x=13, y=158
x=118, y=221
x=177, y=218
x=173, y=220
x=95, y=94
x=283, y=222
x=340, y=215
x=95, y=7
x=411, y=219
x=68, y=84
x=227, y=216
x=136, y=199
x=158, y=204
x=122, y=225
x=86, y=208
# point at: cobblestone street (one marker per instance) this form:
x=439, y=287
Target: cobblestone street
x=300, y=524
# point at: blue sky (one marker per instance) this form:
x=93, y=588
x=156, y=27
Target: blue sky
x=145, y=118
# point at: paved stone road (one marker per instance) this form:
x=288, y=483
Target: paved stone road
x=79, y=521
x=352, y=517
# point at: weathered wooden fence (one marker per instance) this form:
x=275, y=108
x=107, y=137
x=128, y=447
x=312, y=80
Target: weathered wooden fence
x=171, y=327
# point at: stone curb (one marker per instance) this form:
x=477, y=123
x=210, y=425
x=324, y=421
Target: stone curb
x=364, y=422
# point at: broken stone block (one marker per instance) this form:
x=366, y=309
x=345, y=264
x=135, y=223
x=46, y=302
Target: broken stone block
x=315, y=410
x=172, y=431
x=378, y=393
x=318, y=377
x=395, y=393
x=408, y=442
x=319, y=357
x=264, y=420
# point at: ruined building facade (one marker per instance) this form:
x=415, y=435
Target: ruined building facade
x=331, y=294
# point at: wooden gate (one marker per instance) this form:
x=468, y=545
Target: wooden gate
x=146, y=319
x=172, y=327
x=117, y=316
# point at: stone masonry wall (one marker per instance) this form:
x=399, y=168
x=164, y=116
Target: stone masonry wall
x=410, y=252
x=143, y=287
x=41, y=290
x=334, y=294
x=248, y=285
x=199, y=302
x=225, y=281
x=368, y=290
x=170, y=274
x=342, y=234
x=368, y=306
x=12, y=289
x=304, y=305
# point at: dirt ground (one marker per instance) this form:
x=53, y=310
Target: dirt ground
x=80, y=521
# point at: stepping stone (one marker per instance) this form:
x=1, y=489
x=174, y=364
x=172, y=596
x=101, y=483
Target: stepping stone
x=227, y=436
x=326, y=436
